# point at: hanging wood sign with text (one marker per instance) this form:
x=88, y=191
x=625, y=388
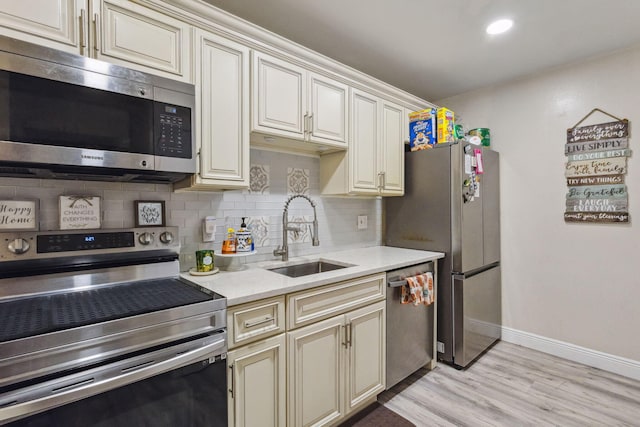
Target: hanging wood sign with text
x=595, y=172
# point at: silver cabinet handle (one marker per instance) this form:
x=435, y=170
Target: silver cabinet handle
x=305, y=125
x=384, y=180
x=349, y=334
x=310, y=124
x=96, y=32
x=345, y=343
x=267, y=319
x=233, y=381
x=88, y=387
x=83, y=28
x=379, y=181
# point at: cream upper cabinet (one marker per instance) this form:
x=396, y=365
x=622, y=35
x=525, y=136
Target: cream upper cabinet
x=374, y=163
x=391, y=149
x=222, y=113
x=257, y=384
x=116, y=31
x=365, y=137
x=59, y=24
x=291, y=102
x=328, y=110
x=132, y=35
x=279, y=97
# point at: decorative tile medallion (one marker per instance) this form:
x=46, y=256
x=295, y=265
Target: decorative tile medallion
x=304, y=224
x=260, y=230
x=259, y=179
x=297, y=181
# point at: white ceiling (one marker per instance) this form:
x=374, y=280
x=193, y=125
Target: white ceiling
x=435, y=49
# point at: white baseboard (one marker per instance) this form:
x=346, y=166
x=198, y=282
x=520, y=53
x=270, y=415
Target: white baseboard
x=607, y=362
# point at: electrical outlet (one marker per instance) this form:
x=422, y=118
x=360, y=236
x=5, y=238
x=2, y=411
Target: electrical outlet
x=362, y=222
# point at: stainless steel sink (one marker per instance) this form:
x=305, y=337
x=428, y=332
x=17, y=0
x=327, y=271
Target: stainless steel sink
x=307, y=268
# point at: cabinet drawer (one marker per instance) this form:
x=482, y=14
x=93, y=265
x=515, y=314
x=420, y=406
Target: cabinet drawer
x=321, y=303
x=257, y=320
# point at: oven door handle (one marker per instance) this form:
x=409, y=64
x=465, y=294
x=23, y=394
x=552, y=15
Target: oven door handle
x=86, y=388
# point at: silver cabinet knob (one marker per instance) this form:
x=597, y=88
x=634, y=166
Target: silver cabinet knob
x=145, y=238
x=166, y=237
x=18, y=246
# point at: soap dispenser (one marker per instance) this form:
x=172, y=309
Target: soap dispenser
x=244, y=238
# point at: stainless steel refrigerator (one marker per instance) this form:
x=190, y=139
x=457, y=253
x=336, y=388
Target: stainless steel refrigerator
x=443, y=211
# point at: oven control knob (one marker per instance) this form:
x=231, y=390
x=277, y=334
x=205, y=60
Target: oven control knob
x=145, y=238
x=18, y=246
x=166, y=237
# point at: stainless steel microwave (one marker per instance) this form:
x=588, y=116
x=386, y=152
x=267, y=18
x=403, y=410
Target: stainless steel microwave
x=72, y=117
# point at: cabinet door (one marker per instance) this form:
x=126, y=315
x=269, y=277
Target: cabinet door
x=135, y=36
x=51, y=23
x=363, y=149
x=257, y=384
x=392, y=149
x=222, y=95
x=365, y=365
x=279, y=97
x=328, y=114
x=314, y=374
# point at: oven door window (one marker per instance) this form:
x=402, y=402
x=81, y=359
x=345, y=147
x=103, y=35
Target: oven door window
x=191, y=396
x=41, y=111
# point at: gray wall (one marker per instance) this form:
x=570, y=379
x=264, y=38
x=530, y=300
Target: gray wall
x=576, y=283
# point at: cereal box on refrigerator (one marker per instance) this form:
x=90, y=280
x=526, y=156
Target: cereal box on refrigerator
x=422, y=129
x=444, y=119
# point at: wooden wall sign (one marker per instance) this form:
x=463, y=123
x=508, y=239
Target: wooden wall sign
x=79, y=212
x=611, y=130
x=18, y=215
x=595, y=172
x=613, y=166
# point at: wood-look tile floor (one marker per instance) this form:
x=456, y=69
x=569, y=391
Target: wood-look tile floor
x=515, y=386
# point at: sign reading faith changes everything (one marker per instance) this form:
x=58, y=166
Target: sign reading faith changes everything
x=595, y=172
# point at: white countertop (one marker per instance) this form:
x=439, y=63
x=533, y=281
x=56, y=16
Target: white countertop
x=255, y=282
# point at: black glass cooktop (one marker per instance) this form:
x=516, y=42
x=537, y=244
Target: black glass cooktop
x=48, y=313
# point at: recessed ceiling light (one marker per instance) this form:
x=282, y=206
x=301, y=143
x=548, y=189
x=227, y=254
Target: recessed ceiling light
x=499, y=26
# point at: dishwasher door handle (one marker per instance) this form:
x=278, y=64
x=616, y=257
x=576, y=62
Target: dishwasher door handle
x=396, y=283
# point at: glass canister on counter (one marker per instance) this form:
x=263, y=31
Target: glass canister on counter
x=204, y=260
x=229, y=243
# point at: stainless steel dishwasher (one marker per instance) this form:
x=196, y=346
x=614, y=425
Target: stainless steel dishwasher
x=411, y=338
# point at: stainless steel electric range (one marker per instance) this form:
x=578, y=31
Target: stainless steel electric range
x=97, y=328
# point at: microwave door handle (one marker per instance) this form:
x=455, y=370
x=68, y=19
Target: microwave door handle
x=88, y=387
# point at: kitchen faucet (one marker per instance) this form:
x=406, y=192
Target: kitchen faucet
x=284, y=250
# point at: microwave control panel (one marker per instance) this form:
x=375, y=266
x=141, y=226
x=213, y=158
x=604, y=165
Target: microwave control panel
x=173, y=131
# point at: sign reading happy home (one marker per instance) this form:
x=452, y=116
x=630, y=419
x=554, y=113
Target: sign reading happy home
x=595, y=172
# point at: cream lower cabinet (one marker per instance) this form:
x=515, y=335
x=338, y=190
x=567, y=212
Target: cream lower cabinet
x=335, y=350
x=116, y=31
x=257, y=380
x=335, y=366
x=222, y=114
x=257, y=364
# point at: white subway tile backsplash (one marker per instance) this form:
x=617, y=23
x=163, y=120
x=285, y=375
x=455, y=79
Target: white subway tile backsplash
x=186, y=209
